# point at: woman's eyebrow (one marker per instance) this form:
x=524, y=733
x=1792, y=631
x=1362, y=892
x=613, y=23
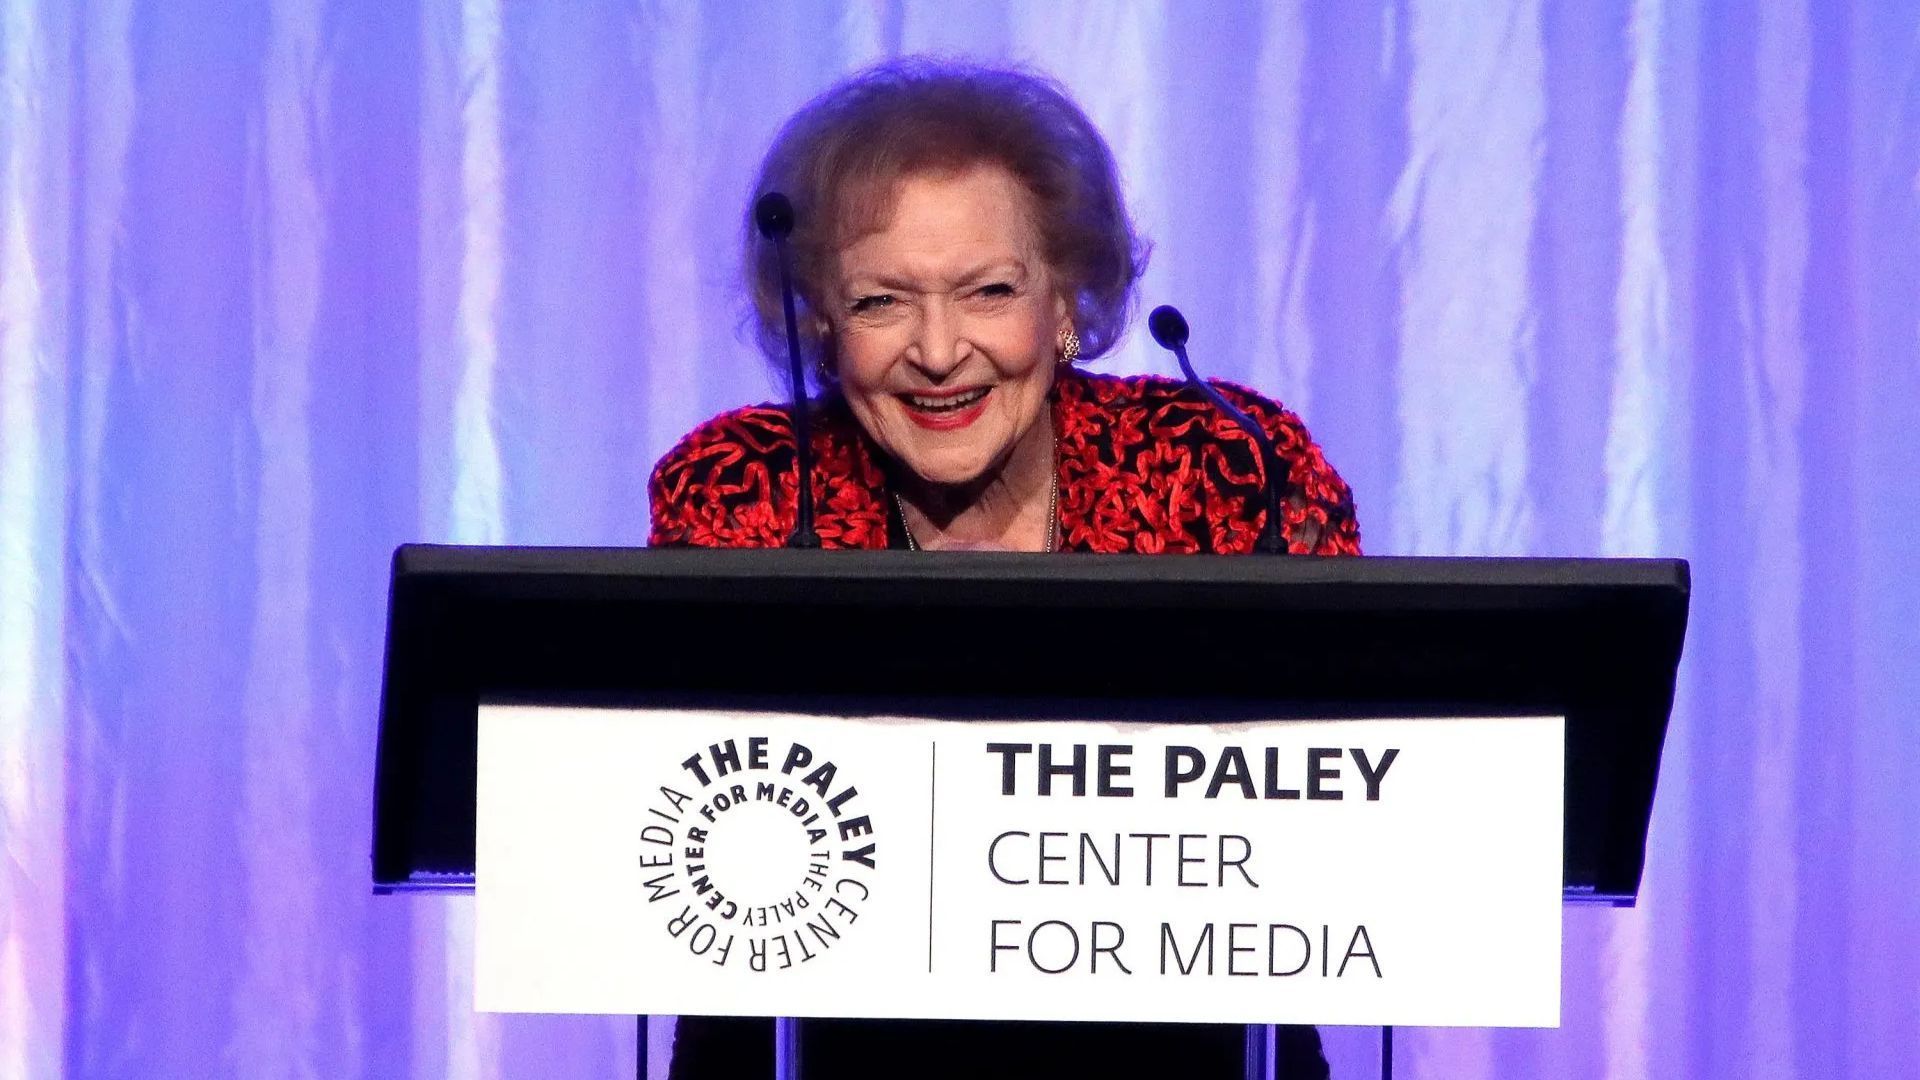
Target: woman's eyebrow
x=997, y=268
x=862, y=283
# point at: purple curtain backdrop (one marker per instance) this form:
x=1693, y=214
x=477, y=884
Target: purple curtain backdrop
x=283, y=285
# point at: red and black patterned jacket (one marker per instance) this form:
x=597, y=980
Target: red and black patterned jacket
x=1145, y=466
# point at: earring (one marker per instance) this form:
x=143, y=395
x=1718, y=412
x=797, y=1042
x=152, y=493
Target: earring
x=1069, y=346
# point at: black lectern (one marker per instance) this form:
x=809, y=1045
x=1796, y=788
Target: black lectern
x=1153, y=638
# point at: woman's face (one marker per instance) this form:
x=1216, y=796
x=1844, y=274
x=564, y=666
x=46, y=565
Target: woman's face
x=945, y=324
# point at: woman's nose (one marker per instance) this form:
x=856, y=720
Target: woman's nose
x=940, y=346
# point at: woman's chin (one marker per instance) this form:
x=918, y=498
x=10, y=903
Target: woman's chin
x=947, y=470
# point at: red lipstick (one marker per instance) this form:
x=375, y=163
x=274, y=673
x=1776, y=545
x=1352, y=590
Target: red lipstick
x=945, y=417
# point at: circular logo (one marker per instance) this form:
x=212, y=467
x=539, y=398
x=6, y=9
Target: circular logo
x=758, y=854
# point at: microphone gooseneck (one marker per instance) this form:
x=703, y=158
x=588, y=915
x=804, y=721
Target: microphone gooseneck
x=773, y=216
x=1169, y=329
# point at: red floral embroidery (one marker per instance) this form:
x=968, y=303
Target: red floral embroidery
x=1145, y=466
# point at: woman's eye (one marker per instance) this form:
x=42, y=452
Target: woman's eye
x=996, y=290
x=870, y=303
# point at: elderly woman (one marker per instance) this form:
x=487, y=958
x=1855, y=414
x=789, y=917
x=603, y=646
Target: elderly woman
x=961, y=249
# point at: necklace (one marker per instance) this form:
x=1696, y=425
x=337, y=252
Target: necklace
x=1053, y=515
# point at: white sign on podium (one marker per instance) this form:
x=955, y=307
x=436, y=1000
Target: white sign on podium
x=646, y=861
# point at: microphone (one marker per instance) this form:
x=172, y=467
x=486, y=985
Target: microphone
x=773, y=216
x=1169, y=329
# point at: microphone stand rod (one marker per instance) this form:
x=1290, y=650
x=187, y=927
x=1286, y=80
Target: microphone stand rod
x=773, y=216
x=1169, y=329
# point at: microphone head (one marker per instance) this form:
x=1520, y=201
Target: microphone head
x=1168, y=326
x=773, y=216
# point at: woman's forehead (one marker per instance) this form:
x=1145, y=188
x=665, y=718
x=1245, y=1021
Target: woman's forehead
x=944, y=218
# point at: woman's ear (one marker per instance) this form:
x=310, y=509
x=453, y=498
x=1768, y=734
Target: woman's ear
x=826, y=364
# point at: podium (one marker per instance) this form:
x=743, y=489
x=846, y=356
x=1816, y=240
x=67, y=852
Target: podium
x=961, y=635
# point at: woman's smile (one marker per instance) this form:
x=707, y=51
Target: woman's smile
x=946, y=410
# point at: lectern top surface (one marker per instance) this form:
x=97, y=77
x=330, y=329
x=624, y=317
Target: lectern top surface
x=607, y=564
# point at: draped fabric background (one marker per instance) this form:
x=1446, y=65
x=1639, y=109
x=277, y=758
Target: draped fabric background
x=283, y=285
